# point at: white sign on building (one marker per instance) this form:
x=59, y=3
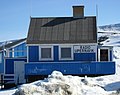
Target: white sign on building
x=85, y=49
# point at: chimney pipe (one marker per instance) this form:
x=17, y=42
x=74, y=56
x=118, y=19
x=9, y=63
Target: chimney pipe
x=78, y=11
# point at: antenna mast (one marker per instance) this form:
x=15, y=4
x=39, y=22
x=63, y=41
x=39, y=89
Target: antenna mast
x=97, y=12
x=30, y=8
x=97, y=21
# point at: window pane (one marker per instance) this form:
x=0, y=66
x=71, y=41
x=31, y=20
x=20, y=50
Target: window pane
x=65, y=52
x=104, y=55
x=45, y=52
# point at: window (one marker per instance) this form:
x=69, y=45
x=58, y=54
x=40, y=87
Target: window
x=65, y=53
x=104, y=55
x=46, y=53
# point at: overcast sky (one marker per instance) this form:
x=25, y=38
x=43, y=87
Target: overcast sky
x=15, y=14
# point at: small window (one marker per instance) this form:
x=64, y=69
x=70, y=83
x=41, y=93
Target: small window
x=66, y=53
x=104, y=55
x=46, y=53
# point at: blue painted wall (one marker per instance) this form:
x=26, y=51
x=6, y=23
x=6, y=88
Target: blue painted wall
x=9, y=64
x=2, y=63
x=70, y=68
x=85, y=56
x=111, y=55
x=34, y=55
x=10, y=53
x=20, y=50
x=21, y=47
x=56, y=53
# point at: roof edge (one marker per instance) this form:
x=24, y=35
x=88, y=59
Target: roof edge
x=62, y=17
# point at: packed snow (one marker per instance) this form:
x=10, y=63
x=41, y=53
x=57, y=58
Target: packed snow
x=58, y=84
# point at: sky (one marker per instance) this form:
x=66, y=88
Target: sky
x=15, y=14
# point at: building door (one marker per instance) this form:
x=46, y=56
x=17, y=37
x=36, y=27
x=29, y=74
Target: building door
x=103, y=55
x=19, y=72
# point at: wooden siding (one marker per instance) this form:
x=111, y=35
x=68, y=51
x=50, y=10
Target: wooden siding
x=9, y=64
x=70, y=68
x=34, y=55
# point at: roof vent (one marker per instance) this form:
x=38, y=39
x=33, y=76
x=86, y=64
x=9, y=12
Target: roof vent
x=78, y=11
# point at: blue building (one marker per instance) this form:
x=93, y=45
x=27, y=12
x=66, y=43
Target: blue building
x=10, y=53
x=66, y=44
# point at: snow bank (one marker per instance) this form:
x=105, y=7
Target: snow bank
x=7, y=92
x=57, y=84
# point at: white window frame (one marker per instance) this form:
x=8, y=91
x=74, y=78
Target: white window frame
x=66, y=46
x=46, y=59
x=103, y=49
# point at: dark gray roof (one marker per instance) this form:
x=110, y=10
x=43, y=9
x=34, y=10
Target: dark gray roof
x=9, y=45
x=57, y=30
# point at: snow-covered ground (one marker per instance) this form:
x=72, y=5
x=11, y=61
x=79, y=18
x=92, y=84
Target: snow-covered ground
x=58, y=84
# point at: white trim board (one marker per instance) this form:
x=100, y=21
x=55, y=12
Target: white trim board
x=99, y=53
x=62, y=44
x=46, y=46
x=66, y=46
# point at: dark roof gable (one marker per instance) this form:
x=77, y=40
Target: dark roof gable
x=57, y=30
x=9, y=45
